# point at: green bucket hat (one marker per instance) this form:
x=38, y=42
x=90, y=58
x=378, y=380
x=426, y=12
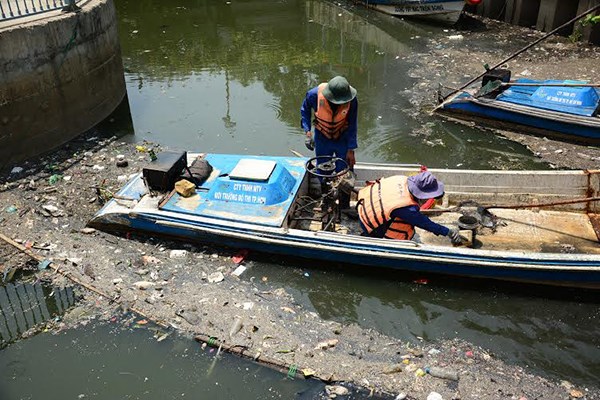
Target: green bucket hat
x=339, y=91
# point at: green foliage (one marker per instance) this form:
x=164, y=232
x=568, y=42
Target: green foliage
x=590, y=19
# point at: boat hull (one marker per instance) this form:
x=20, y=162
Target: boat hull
x=526, y=119
x=446, y=12
x=528, y=247
x=410, y=257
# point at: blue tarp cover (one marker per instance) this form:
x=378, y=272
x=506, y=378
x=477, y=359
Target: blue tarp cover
x=567, y=99
x=264, y=202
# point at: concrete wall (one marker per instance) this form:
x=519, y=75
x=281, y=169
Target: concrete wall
x=544, y=15
x=60, y=74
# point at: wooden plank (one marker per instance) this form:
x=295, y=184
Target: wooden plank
x=595, y=221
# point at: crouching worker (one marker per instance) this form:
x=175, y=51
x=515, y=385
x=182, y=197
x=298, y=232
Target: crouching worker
x=389, y=208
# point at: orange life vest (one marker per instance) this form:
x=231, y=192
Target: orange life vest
x=331, y=126
x=377, y=201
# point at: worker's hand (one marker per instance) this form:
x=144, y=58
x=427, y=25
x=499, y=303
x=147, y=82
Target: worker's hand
x=309, y=142
x=454, y=236
x=350, y=159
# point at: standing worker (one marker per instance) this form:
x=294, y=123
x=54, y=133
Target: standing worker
x=389, y=208
x=335, y=106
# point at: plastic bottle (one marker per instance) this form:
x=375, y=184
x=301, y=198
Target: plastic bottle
x=442, y=373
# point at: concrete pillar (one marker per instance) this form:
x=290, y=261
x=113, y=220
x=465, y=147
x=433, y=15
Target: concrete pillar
x=522, y=12
x=590, y=33
x=492, y=8
x=554, y=13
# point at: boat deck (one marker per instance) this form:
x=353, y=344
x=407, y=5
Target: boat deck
x=537, y=231
x=529, y=230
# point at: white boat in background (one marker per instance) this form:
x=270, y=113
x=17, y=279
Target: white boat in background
x=446, y=11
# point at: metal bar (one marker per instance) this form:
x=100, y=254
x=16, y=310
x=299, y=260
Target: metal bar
x=10, y=9
x=595, y=85
x=18, y=8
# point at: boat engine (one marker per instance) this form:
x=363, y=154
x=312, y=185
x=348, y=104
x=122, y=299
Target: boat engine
x=324, y=168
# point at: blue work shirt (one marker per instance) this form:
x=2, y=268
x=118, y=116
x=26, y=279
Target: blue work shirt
x=411, y=215
x=310, y=103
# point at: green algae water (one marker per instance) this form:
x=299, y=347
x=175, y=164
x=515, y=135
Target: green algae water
x=221, y=76
x=554, y=332
x=108, y=361
x=230, y=76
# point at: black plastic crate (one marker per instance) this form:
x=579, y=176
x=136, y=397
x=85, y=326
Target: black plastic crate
x=162, y=173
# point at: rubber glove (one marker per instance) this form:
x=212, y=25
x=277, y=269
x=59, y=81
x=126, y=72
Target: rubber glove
x=454, y=236
x=309, y=142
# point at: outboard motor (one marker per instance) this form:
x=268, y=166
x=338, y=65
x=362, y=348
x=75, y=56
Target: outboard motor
x=325, y=168
x=498, y=74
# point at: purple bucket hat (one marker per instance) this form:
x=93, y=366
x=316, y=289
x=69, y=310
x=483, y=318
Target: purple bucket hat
x=425, y=186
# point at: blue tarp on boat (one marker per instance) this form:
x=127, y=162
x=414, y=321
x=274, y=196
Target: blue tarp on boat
x=567, y=99
x=244, y=188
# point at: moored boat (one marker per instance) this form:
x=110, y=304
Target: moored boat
x=445, y=11
x=274, y=205
x=565, y=109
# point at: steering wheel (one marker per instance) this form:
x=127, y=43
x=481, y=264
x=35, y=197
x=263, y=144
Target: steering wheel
x=325, y=166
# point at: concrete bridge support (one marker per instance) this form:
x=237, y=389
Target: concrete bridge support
x=554, y=13
x=60, y=74
x=543, y=15
x=522, y=12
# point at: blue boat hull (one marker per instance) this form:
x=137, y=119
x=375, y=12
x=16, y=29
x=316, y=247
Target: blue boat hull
x=539, y=107
x=569, y=274
x=529, y=123
x=260, y=203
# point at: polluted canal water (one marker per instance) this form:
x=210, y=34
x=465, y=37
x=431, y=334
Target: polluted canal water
x=230, y=77
x=123, y=358
x=108, y=361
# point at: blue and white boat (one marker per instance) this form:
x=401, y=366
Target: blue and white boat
x=445, y=11
x=274, y=205
x=565, y=109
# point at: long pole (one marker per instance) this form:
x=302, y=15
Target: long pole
x=551, y=84
x=512, y=206
x=554, y=203
x=591, y=10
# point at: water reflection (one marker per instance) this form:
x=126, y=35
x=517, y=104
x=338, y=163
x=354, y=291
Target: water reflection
x=108, y=362
x=230, y=77
x=556, y=335
x=23, y=306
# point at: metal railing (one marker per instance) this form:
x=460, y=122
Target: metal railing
x=11, y=9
